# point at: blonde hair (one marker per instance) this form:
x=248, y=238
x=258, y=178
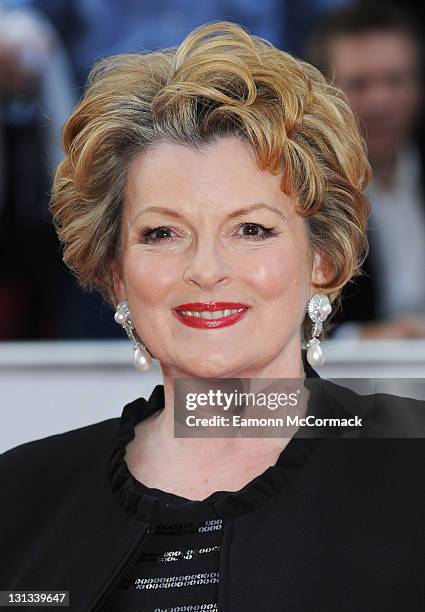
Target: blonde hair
x=219, y=81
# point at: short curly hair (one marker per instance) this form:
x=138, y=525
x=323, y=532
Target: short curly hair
x=219, y=81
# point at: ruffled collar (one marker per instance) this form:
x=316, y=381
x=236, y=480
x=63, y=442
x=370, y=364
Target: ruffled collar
x=142, y=503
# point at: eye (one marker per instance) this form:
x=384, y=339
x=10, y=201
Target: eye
x=155, y=234
x=256, y=231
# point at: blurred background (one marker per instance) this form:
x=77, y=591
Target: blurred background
x=372, y=50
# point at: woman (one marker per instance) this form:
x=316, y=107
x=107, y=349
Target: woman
x=213, y=193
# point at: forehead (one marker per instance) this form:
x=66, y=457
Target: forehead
x=222, y=173
x=371, y=52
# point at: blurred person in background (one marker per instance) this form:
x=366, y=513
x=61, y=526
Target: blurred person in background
x=36, y=94
x=373, y=53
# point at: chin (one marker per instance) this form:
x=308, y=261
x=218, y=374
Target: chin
x=214, y=368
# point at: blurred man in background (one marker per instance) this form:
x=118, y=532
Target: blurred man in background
x=373, y=53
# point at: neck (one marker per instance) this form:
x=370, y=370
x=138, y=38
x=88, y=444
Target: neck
x=288, y=365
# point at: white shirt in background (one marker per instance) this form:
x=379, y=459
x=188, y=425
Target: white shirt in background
x=397, y=229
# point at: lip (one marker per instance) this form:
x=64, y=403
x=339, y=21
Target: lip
x=200, y=323
x=211, y=306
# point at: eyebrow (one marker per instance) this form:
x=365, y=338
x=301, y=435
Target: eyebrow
x=235, y=213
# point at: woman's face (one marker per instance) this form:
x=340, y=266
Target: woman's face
x=205, y=226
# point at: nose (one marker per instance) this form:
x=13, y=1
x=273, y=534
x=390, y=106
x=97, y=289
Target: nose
x=379, y=98
x=207, y=265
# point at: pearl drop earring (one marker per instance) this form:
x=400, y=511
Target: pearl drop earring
x=318, y=308
x=142, y=356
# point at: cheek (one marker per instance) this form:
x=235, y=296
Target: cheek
x=407, y=104
x=279, y=272
x=149, y=278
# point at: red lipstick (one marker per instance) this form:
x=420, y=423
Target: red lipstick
x=198, y=321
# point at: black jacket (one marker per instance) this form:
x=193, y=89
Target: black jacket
x=344, y=533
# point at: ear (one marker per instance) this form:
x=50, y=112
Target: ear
x=318, y=272
x=118, y=282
